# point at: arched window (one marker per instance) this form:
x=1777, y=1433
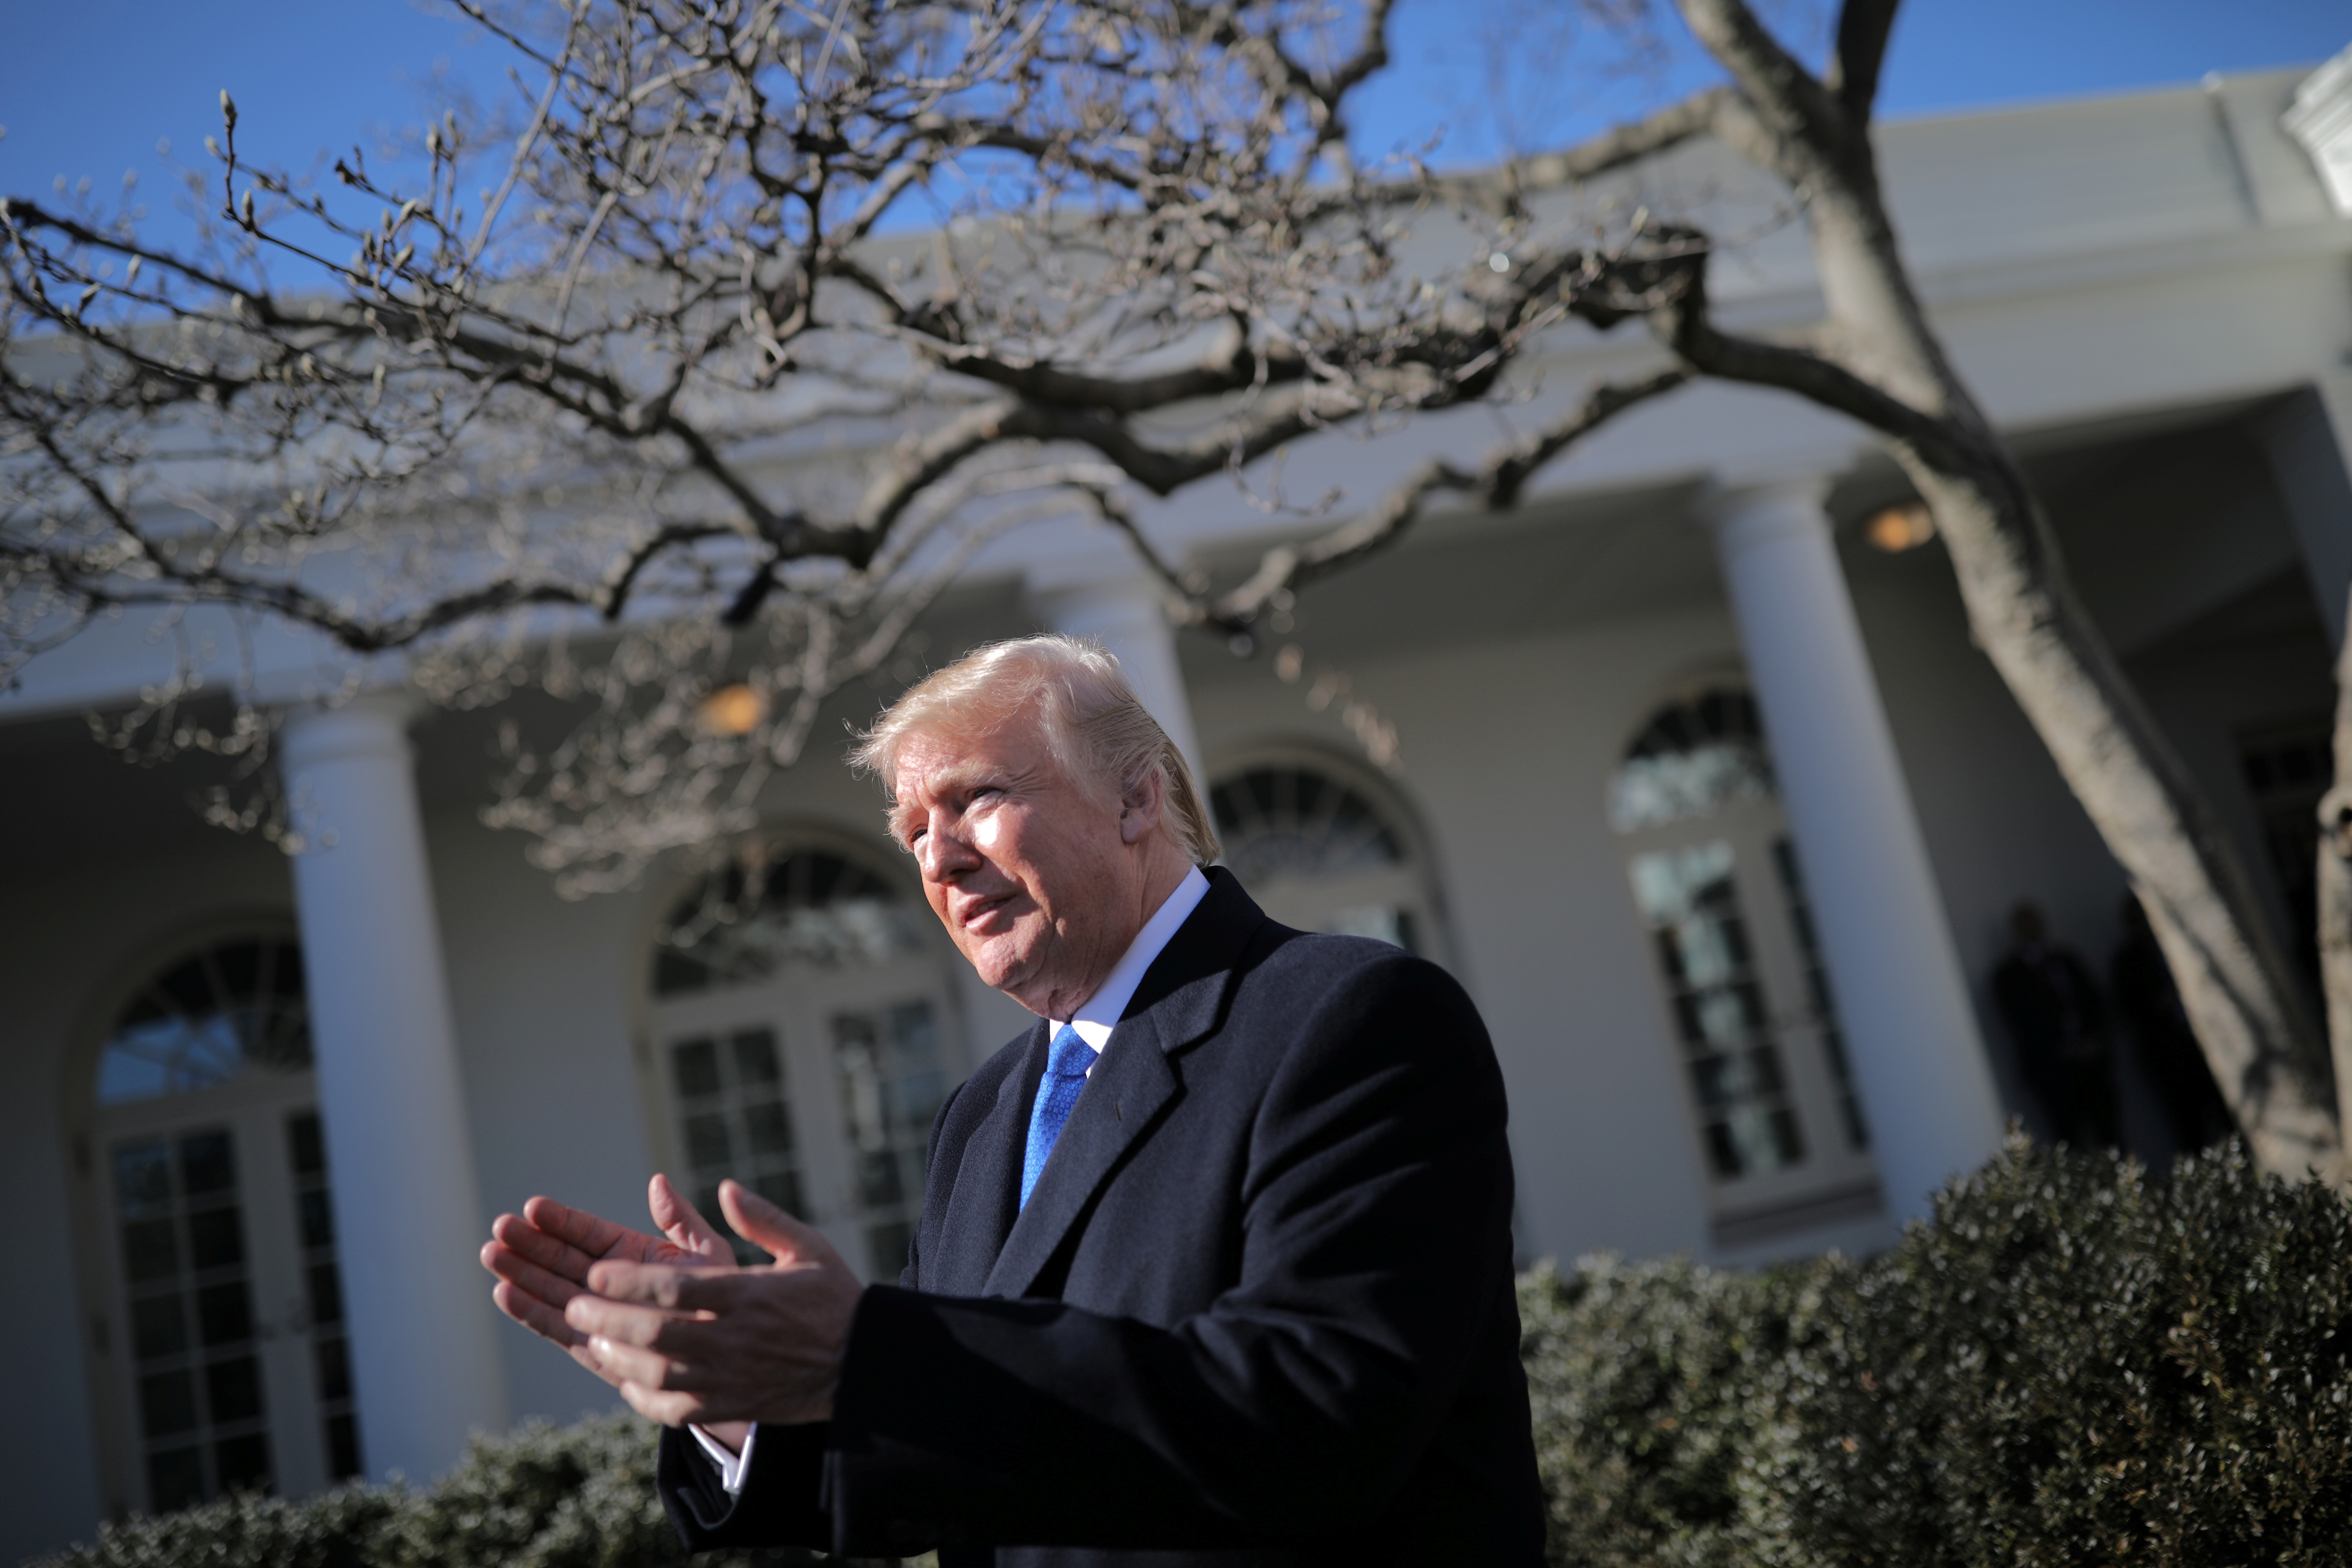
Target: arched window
x=223, y=1349
x=1697, y=754
x=814, y=907
x=208, y=1021
x=805, y=1016
x=1322, y=850
x=1717, y=889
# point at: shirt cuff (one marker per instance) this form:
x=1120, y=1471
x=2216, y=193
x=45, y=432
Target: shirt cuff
x=731, y=1465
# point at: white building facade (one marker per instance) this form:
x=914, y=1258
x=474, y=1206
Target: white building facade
x=1707, y=799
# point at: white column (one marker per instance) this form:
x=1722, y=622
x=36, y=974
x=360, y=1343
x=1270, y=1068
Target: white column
x=1124, y=613
x=408, y=1218
x=1911, y=1033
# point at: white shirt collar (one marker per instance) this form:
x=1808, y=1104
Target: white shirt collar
x=1100, y=1013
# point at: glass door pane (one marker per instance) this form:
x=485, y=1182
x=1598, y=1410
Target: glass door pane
x=322, y=1312
x=892, y=1080
x=734, y=1119
x=181, y=1222
x=1690, y=903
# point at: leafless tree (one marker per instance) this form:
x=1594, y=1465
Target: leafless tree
x=683, y=397
x=1876, y=358
x=678, y=397
x=2333, y=892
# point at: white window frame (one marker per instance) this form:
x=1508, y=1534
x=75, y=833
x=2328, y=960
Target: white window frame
x=1311, y=903
x=258, y=1107
x=798, y=1003
x=1833, y=1180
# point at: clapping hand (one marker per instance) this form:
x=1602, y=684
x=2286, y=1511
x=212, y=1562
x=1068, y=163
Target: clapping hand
x=543, y=1256
x=683, y=1332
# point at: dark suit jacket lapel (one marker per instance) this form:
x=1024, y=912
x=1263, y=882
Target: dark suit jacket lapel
x=1179, y=1000
x=985, y=1195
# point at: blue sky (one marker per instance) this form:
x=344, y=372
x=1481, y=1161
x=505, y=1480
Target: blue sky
x=86, y=89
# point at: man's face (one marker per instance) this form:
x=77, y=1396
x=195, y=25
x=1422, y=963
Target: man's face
x=1026, y=868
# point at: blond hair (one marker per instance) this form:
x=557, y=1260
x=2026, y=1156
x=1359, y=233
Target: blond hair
x=1095, y=726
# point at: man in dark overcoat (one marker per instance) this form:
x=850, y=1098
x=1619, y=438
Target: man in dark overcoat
x=1214, y=1262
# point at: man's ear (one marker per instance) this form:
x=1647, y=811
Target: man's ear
x=1141, y=806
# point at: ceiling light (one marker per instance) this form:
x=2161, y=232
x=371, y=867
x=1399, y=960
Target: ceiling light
x=1903, y=526
x=734, y=710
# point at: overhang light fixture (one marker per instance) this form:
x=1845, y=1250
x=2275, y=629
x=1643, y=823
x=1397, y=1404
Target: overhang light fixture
x=1906, y=525
x=732, y=710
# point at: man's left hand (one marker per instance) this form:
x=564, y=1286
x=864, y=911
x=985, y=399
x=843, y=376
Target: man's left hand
x=715, y=1345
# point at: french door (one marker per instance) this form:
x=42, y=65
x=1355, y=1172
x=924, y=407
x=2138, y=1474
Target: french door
x=223, y=1349
x=1723, y=901
x=815, y=1086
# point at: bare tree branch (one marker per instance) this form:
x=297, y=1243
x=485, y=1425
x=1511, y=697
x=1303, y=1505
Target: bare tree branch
x=1495, y=485
x=1863, y=30
x=1233, y=367
x=1776, y=86
x=1624, y=144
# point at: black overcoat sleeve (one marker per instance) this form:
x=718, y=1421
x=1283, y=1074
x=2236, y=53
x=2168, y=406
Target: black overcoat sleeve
x=782, y=1501
x=780, y=1505
x=1373, y=1208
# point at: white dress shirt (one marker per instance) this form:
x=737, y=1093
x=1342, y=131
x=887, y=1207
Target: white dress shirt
x=1096, y=1018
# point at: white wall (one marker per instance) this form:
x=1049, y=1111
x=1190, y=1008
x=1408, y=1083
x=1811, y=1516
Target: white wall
x=1506, y=752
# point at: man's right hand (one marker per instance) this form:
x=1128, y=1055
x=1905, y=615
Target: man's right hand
x=541, y=1258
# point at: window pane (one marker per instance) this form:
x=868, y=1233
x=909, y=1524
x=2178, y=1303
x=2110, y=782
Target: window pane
x=238, y=963
x=151, y=1250
x=767, y=1129
x=233, y=1390
x=286, y=977
x=224, y=1313
x=707, y=1144
x=781, y=1188
x=208, y=1163
x=326, y=1294
x=887, y=1246
x=877, y=1181
x=342, y=1447
x=334, y=1368
x=695, y=1064
x=167, y=1403
x=916, y=1100
x=158, y=1326
x=244, y=1463
x=317, y=1219
x=914, y=1040
x=215, y=1239
x=142, y=1175
x=306, y=1146
x=755, y=1057
x=175, y=1480
x=188, y=989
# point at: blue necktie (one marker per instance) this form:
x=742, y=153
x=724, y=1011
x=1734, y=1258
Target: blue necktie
x=1065, y=1074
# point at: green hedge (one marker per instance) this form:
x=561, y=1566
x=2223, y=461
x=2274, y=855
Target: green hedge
x=2073, y=1363
x=541, y=1497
